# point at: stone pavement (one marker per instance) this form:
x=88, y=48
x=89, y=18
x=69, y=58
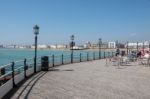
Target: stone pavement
x=88, y=80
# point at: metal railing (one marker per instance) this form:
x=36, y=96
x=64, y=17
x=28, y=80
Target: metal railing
x=13, y=73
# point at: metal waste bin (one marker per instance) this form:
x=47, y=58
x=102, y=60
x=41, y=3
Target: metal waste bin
x=45, y=63
x=123, y=53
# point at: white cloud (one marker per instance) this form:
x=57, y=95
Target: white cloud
x=133, y=34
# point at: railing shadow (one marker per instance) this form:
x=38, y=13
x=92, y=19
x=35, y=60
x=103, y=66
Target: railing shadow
x=55, y=70
x=33, y=81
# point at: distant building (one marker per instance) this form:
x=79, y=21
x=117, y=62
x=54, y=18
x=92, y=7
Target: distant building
x=1, y=46
x=53, y=46
x=111, y=44
x=104, y=45
x=93, y=46
x=140, y=45
x=87, y=45
x=79, y=47
x=42, y=46
x=61, y=46
x=10, y=46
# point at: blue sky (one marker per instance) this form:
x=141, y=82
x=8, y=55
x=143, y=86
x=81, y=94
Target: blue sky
x=88, y=20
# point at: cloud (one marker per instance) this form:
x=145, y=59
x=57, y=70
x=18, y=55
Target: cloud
x=133, y=34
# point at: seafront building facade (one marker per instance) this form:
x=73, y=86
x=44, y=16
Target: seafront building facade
x=139, y=44
x=111, y=44
x=87, y=45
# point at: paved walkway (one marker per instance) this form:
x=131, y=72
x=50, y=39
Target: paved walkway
x=88, y=80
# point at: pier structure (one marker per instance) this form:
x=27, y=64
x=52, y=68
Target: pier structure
x=14, y=73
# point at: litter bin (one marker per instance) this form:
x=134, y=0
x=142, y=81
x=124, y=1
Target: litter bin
x=123, y=53
x=45, y=63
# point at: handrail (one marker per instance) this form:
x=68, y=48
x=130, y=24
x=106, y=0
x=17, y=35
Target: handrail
x=58, y=59
x=5, y=74
x=4, y=66
x=18, y=68
x=18, y=61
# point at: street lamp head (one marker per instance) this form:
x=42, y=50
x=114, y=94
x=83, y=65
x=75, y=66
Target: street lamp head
x=72, y=37
x=36, y=29
x=100, y=40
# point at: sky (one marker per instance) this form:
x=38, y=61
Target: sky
x=88, y=20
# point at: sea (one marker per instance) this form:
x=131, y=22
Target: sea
x=11, y=55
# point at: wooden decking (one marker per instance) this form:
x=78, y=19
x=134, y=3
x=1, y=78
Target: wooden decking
x=88, y=80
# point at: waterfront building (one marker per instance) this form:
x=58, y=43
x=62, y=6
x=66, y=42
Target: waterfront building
x=104, y=45
x=140, y=44
x=10, y=46
x=87, y=45
x=61, y=46
x=1, y=46
x=53, y=46
x=111, y=44
x=78, y=47
x=42, y=46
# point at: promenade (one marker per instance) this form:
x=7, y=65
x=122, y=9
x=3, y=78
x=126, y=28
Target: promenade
x=87, y=80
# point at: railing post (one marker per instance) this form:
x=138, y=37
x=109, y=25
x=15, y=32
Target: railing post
x=93, y=55
x=62, y=59
x=25, y=68
x=112, y=54
x=13, y=75
x=53, y=60
x=108, y=55
x=104, y=54
x=87, y=56
x=72, y=56
x=80, y=58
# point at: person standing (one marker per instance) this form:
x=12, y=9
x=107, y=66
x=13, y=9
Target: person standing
x=117, y=52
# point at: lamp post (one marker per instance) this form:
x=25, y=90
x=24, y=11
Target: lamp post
x=71, y=46
x=137, y=47
x=36, y=32
x=100, y=42
x=143, y=47
x=127, y=47
x=149, y=46
x=117, y=45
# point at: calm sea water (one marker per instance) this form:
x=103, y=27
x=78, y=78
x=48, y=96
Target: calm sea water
x=10, y=55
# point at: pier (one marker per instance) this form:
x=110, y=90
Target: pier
x=12, y=74
x=87, y=80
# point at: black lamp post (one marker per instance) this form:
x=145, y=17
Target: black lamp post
x=127, y=47
x=36, y=32
x=71, y=46
x=137, y=47
x=143, y=46
x=100, y=42
x=149, y=46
